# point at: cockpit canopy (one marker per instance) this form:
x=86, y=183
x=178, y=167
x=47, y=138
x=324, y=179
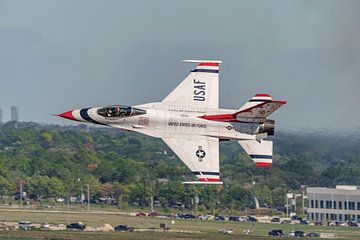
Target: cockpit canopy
x=118, y=111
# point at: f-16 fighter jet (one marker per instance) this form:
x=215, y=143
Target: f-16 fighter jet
x=191, y=123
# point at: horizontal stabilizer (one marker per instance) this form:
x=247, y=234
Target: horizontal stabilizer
x=258, y=108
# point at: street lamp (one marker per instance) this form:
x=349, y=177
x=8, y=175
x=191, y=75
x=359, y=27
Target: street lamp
x=81, y=193
x=88, y=196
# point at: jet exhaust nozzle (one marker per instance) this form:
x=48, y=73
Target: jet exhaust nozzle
x=267, y=127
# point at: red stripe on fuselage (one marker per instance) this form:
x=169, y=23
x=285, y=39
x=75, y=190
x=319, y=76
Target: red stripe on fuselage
x=220, y=117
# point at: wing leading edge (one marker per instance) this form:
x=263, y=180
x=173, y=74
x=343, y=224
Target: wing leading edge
x=200, y=154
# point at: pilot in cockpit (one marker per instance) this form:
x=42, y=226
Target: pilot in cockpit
x=119, y=111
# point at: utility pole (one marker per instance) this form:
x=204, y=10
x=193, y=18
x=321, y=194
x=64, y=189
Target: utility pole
x=88, y=196
x=152, y=196
x=82, y=195
x=21, y=194
x=68, y=208
x=196, y=199
x=287, y=204
x=303, y=188
x=294, y=201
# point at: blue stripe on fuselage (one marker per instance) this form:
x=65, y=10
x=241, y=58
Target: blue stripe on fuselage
x=84, y=114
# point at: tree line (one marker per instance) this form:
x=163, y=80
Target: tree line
x=51, y=161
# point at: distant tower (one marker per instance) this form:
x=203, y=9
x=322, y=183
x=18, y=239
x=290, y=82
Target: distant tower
x=14, y=113
x=1, y=116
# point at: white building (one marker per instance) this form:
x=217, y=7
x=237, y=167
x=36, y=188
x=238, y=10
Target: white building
x=340, y=204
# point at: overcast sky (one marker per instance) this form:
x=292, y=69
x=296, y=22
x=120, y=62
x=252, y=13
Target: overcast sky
x=60, y=55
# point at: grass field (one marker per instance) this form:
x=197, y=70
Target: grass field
x=202, y=229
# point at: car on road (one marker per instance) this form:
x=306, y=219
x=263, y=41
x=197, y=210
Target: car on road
x=276, y=233
x=313, y=234
x=296, y=234
x=251, y=219
x=304, y=222
x=225, y=231
x=188, y=216
x=219, y=218
x=141, y=214
x=352, y=224
x=296, y=218
x=124, y=228
x=44, y=226
x=153, y=214
x=202, y=217
x=78, y=226
x=234, y=218
x=275, y=220
x=285, y=222
x=25, y=225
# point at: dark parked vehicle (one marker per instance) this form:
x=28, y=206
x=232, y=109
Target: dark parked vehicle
x=352, y=224
x=124, y=228
x=313, y=234
x=188, y=216
x=219, y=218
x=153, y=214
x=251, y=219
x=141, y=214
x=297, y=234
x=234, y=218
x=304, y=222
x=275, y=220
x=285, y=222
x=296, y=218
x=25, y=225
x=78, y=226
x=276, y=233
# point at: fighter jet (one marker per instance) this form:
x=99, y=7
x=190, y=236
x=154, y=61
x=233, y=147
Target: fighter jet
x=191, y=123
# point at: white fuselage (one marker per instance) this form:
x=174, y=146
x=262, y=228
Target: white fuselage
x=164, y=121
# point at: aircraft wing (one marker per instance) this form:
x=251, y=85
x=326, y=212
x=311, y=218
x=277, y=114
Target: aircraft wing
x=200, y=88
x=200, y=154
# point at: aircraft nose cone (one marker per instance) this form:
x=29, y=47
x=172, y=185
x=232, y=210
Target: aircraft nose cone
x=67, y=115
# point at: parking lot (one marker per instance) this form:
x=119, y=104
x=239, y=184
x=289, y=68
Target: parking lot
x=146, y=227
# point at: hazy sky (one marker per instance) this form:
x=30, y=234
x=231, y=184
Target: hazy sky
x=60, y=55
